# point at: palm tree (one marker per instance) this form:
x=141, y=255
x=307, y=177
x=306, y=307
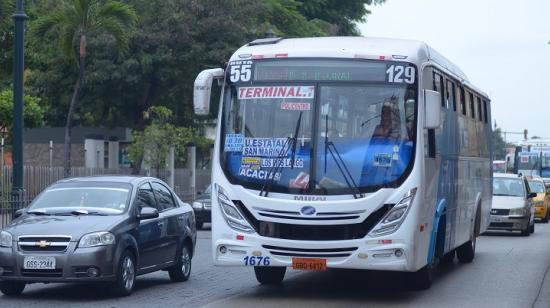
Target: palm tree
x=72, y=23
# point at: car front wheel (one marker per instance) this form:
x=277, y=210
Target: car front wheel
x=126, y=275
x=12, y=288
x=181, y=271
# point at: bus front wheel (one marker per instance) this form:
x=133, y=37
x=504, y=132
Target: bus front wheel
x=269, y=275
x=423, y=278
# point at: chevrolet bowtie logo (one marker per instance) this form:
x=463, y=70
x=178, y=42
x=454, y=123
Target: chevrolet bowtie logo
x=42, y=244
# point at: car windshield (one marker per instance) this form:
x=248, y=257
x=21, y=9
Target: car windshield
x=536, y=186
x=508, y=187
x=317, y=137
x=96, y=199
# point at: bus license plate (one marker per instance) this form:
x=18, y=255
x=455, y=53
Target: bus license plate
x=309, y=264
x=35, y=262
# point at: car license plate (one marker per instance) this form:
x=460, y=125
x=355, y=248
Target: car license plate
x=35, y=262
x=309, y=264
x=497, y=219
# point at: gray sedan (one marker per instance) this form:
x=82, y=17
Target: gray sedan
x=98, y=229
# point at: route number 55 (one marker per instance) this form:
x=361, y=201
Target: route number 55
x=240, y=73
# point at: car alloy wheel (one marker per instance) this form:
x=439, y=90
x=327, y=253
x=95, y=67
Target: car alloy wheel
x=128, y=273
x=181, y=270
x=185, y=260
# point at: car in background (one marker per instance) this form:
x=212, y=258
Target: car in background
x=537, y=186
x=106, y=229
x=512, y=206
x=203, y=207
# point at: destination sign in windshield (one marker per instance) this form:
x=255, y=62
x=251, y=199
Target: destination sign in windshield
x=329, y=70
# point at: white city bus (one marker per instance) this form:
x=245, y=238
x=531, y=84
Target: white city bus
x=346, y=152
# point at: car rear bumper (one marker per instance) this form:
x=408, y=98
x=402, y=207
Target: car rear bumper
x=70, y=266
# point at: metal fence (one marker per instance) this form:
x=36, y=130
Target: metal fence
x=37, y=178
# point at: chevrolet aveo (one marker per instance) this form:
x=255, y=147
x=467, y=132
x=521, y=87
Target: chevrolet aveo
x=98, y=229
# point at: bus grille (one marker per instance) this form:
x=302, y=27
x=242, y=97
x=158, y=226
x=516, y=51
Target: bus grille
x=313, y=253
x=313, y=232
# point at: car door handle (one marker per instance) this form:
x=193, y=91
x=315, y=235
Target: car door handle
x=182, y=218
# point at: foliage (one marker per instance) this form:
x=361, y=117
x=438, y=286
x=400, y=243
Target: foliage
x=33, y=113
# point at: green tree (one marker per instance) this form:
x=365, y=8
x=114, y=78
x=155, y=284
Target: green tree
x=341, y=14
x=73, y=22
x=153, y=143
x=33, y=113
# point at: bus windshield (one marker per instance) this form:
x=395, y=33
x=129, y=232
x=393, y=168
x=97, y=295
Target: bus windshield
x=318, y=136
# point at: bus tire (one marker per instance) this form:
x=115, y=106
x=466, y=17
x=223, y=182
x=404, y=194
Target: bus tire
x=269, y=275
x=423, y=278
x=449, y=257
x=466, y=252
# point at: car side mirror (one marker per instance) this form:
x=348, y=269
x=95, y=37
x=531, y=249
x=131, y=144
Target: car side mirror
x=203, y=88
x=432, y=109
x=148, y=213
x=19, y=212
x=531, y=195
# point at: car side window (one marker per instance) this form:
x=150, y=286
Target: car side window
x=145, y=197
x=164, y=197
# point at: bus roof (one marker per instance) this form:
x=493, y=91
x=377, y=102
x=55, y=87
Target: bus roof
x=350, y=47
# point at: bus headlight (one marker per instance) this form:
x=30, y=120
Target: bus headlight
x=230, y=212
x=395, y=217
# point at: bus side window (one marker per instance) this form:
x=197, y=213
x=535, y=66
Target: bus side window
x=472, y=105
x=438, y=86
x=451, y=95
x=462, y=101
x=479, y=113
x=485, y=112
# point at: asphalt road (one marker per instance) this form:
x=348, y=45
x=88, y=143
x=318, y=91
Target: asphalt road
x=508, y=271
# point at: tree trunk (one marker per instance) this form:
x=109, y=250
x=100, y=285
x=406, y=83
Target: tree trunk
x=136, y=167
x=72, y=105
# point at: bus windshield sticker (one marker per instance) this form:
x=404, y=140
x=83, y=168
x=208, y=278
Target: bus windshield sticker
x=265, y=147
x=240, y=71
x=395, y=156
x=282, y=162
x=233, y=143
x=301, y=181
x=303, y=92
x=382, y=160
x=259, y=174
x=251, y=163
x=396, y=148
x=296, y=106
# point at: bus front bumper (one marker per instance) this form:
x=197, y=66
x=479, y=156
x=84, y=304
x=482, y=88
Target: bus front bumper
x=367, y=253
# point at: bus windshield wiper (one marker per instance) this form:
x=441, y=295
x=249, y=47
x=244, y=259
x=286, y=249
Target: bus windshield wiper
x=295, y=141
x=330, y=147
x=278, y=162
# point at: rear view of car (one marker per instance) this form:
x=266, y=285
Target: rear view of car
x=202, y=206
x=512, y=206
x=536, y=185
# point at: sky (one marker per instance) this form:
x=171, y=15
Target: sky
x=502, y=46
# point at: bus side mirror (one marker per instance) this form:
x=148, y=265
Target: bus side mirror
x=203, y=89
x=432, y=108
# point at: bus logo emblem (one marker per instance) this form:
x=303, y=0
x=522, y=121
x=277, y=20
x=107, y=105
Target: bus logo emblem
x=308, y=210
